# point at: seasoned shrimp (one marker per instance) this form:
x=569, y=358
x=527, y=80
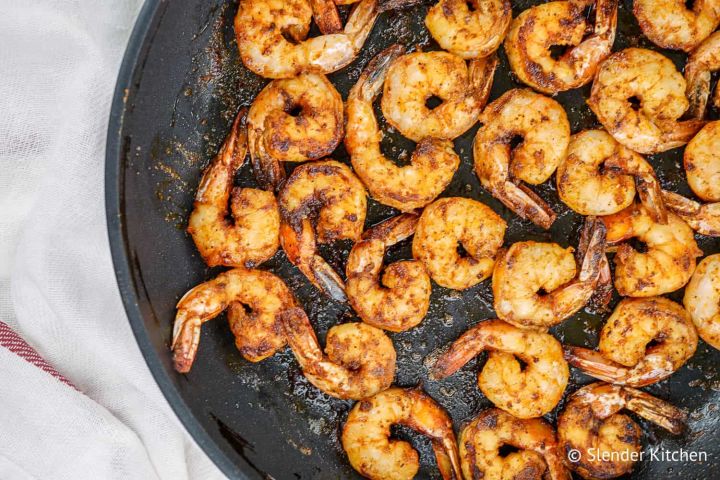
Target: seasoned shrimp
x=537, y=458
x=704, y=218
x=527, y=268
x=600, y=176
x=252, y=236
x=672, y=24
x=526, y=392
x=400, y=298
x=702, y=163
x=698, y=69
x=319, y=203
x=293, y=120
x=272, y=37
x=469, y=33
x=625, y=354
x=542, y=124
x=366, y=435
x=669, y=261
x=256, y=300
x=652, y=80
x=448, y=223
x=591, y=425
x=415, y=78
x=702, y=299
x=431, y=167
x=565, y=23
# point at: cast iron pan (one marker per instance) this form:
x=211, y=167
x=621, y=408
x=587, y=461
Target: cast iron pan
x=180, y=85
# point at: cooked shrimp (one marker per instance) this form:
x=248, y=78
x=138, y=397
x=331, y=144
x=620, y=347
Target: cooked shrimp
x=600, y=176
x=256, y=298
x=702, y=299
x=431, y=167
x=293, y=120
x=272, y=37
x=319, y=203
x=526, y=392
x=448, y=223
x=400, y=298
x=550, y=24
x=475, y=33
x=366, y=435
x=698, y=69
x=668, y=262
x=252, y=236
x=672, y=24
x=625, y=355
x=650, y=78
x=542, y=124
x=702, y=163
x=592, y=425
x=704, y=218
x=416, y=77
x=527, y=268
x=538, y=456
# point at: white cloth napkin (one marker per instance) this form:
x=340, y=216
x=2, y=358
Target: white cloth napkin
x=58, y=66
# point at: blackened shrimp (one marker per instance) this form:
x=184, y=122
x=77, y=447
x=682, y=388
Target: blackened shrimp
x=674, y=24
x=702, y=299
x=698, y=69
x=702, y=163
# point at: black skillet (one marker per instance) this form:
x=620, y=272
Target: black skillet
x=180, y=85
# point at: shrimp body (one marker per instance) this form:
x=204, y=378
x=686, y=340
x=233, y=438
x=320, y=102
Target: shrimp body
x=366, y=435
x=255, y=298
x=651, y=78
x=261, y=28
x=702, y=163
x=320, y=202
x=431, y=167
x=293, y=120
x=545, y=131
x=525, y=393
x=702, y=299
x=601, y=176
x=469, y=34
x=451, y=221
x=698, y=70
x=413, y=78
x=669, y=261
x=358, y=362
x=624, y=355
x=400, y=298
x=592, y=424
x=537, y=458
x=537, y=29
x=672, y=24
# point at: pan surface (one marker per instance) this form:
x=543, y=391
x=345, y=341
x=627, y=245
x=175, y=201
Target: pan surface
x=180, y=86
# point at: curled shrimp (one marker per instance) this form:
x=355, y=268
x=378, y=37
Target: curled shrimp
x=431, y=167
x=669, y=261
x=592, y=425
x=702, y=163
x=399, y=299
x=448, y=223
x=672, y=24
x=252, y=236
x=320, y=202
x=698, y=69
x=526, y=392
x=255, y=300
x=650, y=78
x=527, y=268
x=416, y=77
x=542, y=124
x=600, y=177
x=293, y=120
x=625, y=355
x=272, y=37
x=704, y=218
x=702, y=299
x=537, y=29
x=475, y=33
x=366, y=435
x=537, y=458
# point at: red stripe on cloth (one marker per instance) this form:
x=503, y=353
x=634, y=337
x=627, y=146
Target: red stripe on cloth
x=15, y=343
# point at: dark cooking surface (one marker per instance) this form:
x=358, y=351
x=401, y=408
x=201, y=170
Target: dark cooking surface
x=185, y=86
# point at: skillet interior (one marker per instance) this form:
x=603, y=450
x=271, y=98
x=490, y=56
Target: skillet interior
x=180, y=86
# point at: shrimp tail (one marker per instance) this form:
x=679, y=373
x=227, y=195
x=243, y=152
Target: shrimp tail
x=592, y=251
x=269, y=172
x=482, y=73
x=465, y=348
x=371, y=80
x=655, y=410
x=326, y=279
x=704, y=219
x=393, y=230
x=680, y=133
x=186, y=337
x=326, y=16
x=683, y=206
x=698, y=90
x=447, y=458
x=527, y=204
x=595, y=364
